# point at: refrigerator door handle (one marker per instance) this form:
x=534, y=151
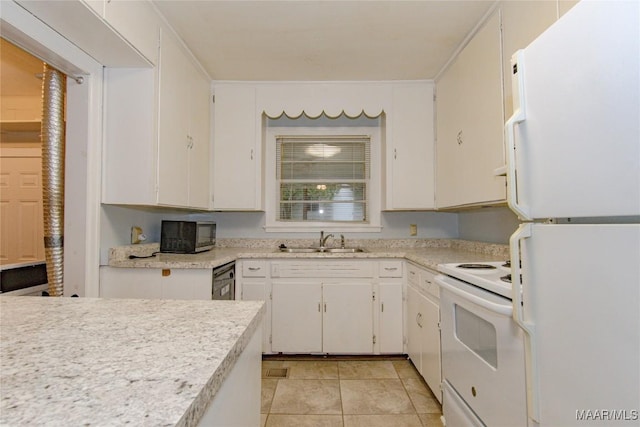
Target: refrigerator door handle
x=533, y=402
x=519, y=115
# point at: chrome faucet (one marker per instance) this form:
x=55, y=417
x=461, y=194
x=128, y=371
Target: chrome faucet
x=323, y=238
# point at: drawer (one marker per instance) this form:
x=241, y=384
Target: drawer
x=322, y=269
x=252, y=268
x=413, y=275
x=390, y=268
x=428, y=284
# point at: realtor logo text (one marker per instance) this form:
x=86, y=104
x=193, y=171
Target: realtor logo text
x=607, y=415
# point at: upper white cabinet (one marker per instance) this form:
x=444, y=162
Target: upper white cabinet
x=183, y=148
x=237, y=167
x=157, y=132
x=469, y=123
x=474, y=98
x=409, y=177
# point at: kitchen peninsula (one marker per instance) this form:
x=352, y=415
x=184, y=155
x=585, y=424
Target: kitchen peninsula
x=85, y=361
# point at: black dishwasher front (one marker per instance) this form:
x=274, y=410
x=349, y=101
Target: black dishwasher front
x=224, y=282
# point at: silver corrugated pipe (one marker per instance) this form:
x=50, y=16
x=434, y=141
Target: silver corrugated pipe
x=53, y=139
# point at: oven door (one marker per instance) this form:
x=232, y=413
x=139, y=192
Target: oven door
x=483, y=356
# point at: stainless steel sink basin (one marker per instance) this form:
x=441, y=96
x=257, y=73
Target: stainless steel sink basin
x=343, y=250
x=300, y=250
x=322, y=250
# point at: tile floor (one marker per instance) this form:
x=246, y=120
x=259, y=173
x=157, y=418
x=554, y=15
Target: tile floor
x=346, y=393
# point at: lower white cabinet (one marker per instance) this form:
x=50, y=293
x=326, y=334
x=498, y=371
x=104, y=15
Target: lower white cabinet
x=316, y=317
x=423, y=327
x=327, y=305
x=390, y=338
x=296, y=316
x=152, y=283
x=347, y=318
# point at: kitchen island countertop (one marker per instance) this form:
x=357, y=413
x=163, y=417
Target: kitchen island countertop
x=90, y=361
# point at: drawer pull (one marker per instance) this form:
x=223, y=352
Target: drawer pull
x=254, y=268
x=391, y=268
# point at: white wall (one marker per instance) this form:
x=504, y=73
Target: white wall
x=118, y=220
x=492, y=225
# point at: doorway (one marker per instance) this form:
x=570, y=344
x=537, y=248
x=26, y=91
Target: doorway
x=83, y=142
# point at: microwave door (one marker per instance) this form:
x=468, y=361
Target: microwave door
x=572, y=145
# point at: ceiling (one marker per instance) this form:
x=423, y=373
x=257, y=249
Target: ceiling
x=330, y=40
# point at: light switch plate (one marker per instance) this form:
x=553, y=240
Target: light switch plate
x=413, y=229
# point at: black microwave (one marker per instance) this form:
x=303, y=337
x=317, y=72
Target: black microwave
x=187, y=237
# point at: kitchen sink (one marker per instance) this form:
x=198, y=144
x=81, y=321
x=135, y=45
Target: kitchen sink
x=300, y=250
x=322, y=250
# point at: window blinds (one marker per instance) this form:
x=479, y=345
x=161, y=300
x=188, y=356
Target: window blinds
x=323, y=178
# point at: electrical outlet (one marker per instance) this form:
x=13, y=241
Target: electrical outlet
x=413, y=229
x=136, y=233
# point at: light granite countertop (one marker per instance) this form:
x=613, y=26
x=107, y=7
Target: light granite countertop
x=89, y=361
x=427, y=253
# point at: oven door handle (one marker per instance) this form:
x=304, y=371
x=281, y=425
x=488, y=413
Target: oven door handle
x=533, y=402
x=503, y=309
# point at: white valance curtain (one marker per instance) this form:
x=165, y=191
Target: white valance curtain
x=317, y=98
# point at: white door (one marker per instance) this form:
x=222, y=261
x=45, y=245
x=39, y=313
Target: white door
x=430, y=337
x=296, y=323
x=21, y=223
x=390, y=336
x=173, y=124
x=414, y=338
x=347, y=325
x=577, y=152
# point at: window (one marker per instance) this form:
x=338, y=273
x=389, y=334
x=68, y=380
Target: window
x=322, y=174
x=323, y=178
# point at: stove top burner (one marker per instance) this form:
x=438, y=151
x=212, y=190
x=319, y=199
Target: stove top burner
x=506, y=278
x=477, y=266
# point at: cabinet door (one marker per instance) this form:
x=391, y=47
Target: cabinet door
x=173, y=124
x=186, y=284
x=256, y=291
x=347, y=325
x=236, y=165
x=414, y=338
x=390, y=334
x=430, y=352
x=410, y=157
x=296, y=322
x=199, y=148
x=470, y=123
x=130, y=283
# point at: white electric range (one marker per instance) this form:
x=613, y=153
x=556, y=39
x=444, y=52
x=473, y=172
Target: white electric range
x=483, y=353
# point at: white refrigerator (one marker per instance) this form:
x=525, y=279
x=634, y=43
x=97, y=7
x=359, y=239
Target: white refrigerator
x=573, y=175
